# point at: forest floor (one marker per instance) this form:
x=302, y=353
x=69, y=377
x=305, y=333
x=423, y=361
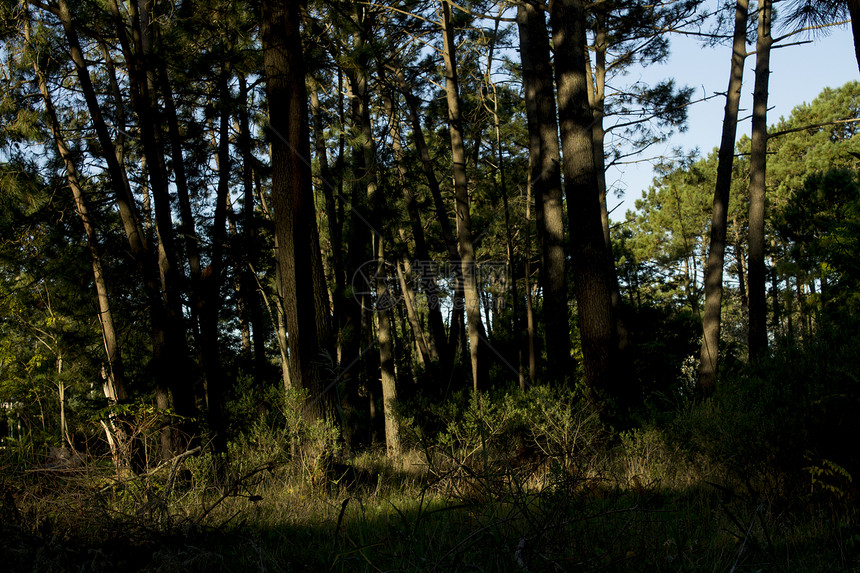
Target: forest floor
x=472, y=515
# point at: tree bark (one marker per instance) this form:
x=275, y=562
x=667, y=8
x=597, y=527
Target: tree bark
x=709, y=355
x=468, y=265
x=306, y=306
x=115, y=381
x=854, y=12
x=758, y=170
x=457, y=325
x=544, y=146
x=592, y=267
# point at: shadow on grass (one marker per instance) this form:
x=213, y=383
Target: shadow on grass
x=58, y=522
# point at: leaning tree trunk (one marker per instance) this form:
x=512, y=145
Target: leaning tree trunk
x=447, y=357
x=758, y=170
x=114, y=386
x=709, y=356
x=592, y=267
x=143, y=257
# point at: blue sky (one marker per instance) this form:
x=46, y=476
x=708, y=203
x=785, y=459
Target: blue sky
x=799, y=73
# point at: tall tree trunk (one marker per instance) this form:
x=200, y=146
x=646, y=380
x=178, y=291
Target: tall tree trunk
x=165, y=356
x=306, y=306
x=598, y=133
x=115, y=382
x=114, y=386
x=740, y=258
x=428, y=276
x=424, y=349
x=854, y=12
x=386, y=356
x=509, y=241
x=546, y=178
x=249, y=249
x=758, y=170
x=210, y=299
x=376, y=202
x=464, y=217
x=174, y=370
x=328, y=191
x=531, y=327
x=457, y=325
x=709, y=356
x=592, y=266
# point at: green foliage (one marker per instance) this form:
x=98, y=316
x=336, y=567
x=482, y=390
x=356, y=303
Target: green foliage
x=788, y=418
x=661, y=342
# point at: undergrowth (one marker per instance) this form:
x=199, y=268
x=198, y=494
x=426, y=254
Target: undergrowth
x=502, y=481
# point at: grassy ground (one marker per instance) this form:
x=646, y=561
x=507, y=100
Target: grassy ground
x=636, y=505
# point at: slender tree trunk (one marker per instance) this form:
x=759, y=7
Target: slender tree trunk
x=115, y=380
x=174, y=369
x=774, y=292
x=114, y=386
x=509, y=242
x=210, y=299
x=464, y=218
x=758, y=169
x=306, y=307
x=375, y=200
x=854, y=12
x=531, y=328
x=424, y=352
x=592, y=267
x=544, y=146
x=386, y=356
x=457, y=324
x=166, y=355
x=249, y=248
x=740, y=258
x=428, y=275
x=598, y=133
x=328, y=190
x=709, y=357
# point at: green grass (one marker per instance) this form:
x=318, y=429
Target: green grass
x=640, y=507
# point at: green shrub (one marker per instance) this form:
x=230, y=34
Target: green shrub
x=788, y=419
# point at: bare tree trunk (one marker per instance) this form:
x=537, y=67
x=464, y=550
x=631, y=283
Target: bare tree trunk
x=146, y=262
x=437, y=342
x=598, y=133
x=249, y=250
x=464, y=218
x=172, y=367
x=709, y=357
x=306, y=307
x=334, y=228
x=758, y=169
x=740, y=259
x=592, y=266
x=457, y=324
x=854, y=12
x=386, y=357
x=424, y=353
x=546, y=178
x=531, y=328
x=116, y=371
x=210, y=299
